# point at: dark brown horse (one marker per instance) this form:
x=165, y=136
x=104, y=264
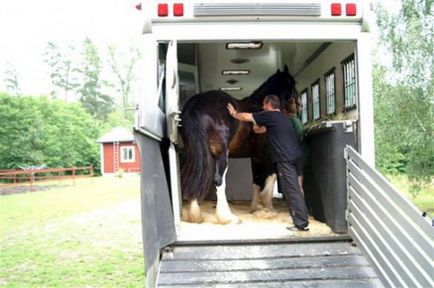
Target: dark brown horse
x=211, y=135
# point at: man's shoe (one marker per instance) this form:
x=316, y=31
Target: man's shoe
x=295, y=228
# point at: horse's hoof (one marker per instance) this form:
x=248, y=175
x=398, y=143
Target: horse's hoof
x=253, y=209
x=237, y=220
x=229, y=220
x=196, y=219
x=269, y=208
x=194, y=213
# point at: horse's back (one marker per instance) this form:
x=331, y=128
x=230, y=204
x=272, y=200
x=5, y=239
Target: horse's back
x=208, y=102
x=207, y=112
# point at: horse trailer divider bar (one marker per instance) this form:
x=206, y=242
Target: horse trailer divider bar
x=388, y=227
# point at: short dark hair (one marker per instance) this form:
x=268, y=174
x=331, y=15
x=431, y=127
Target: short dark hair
x=273, y=100
x=291, y=106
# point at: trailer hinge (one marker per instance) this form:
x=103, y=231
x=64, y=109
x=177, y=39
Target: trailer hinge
x=174, y=120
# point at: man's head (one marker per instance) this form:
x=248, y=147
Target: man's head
x=291, y=106
x=271, y=102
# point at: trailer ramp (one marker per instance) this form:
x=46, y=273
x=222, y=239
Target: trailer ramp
x=333, y=263
x=390, y=230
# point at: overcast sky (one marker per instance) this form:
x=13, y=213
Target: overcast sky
x=26, y=26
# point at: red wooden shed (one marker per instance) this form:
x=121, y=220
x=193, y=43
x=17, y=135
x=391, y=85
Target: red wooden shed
x=119, y=152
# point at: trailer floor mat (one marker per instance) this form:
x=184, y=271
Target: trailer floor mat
x=308, y=264
x=261, y=224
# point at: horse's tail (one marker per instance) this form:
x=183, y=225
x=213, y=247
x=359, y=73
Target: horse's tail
x=198, y=168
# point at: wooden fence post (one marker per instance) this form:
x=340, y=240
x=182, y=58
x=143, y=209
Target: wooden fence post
x=31, y=180
x=73, y=175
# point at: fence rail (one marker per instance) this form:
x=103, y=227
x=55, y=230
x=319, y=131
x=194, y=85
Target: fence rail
x=20, y=177
x=388, y=227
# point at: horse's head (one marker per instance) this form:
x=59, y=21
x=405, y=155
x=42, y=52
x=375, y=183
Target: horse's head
x=281, y=84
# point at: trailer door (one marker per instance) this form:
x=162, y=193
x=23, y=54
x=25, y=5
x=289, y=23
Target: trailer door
x=173, y=118
x=157, y=214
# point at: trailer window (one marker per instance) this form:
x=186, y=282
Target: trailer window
x=330, y=91
x=348, y=67
x=315, y=101
x=187, y=86
x=304, y=107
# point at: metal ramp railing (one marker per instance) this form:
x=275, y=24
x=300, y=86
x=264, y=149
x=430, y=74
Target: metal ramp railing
x=388, y=227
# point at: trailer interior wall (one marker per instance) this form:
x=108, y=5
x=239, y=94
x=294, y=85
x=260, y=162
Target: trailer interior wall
x=330, y=58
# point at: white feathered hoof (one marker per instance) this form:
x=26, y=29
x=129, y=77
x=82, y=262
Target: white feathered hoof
x=267, y=202
x=227, y=218
x=266, y=195
x=194, y=214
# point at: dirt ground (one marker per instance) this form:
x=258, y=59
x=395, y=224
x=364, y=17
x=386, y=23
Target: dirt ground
x=261, y=224
x=7, y=190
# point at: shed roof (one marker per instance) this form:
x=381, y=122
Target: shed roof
x=117, y=134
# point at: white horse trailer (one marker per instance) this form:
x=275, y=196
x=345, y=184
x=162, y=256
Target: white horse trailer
x=199, y=45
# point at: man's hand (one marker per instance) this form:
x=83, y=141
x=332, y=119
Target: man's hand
x=259, y=129
x=231, y=109
x=243, y=116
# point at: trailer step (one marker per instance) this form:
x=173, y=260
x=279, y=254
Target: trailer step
x=308, y=264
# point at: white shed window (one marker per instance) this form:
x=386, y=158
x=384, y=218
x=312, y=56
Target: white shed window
x=127, y=154
x=304, y=107
x=315, y=101
x=330, y=91
x=350, y=90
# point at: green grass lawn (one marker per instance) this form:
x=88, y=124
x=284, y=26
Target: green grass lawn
x=424, y=199
x=87, y=235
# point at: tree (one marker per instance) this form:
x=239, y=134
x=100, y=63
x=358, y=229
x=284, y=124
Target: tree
x=124, y=73
x=63, y=73
x=93, y=100
x=21, y=132
x=389, y=155
x=404, y=92
x=36, y=131
x=69, y=136
x=11, y=81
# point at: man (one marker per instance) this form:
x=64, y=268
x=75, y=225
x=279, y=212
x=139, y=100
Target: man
x=284, y=151
x=290, y=110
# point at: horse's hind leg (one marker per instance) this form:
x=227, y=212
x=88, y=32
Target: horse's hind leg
x=223, y=212
x=255, y=199
x=266, y=195
x=263, y=198
x=263, y=178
